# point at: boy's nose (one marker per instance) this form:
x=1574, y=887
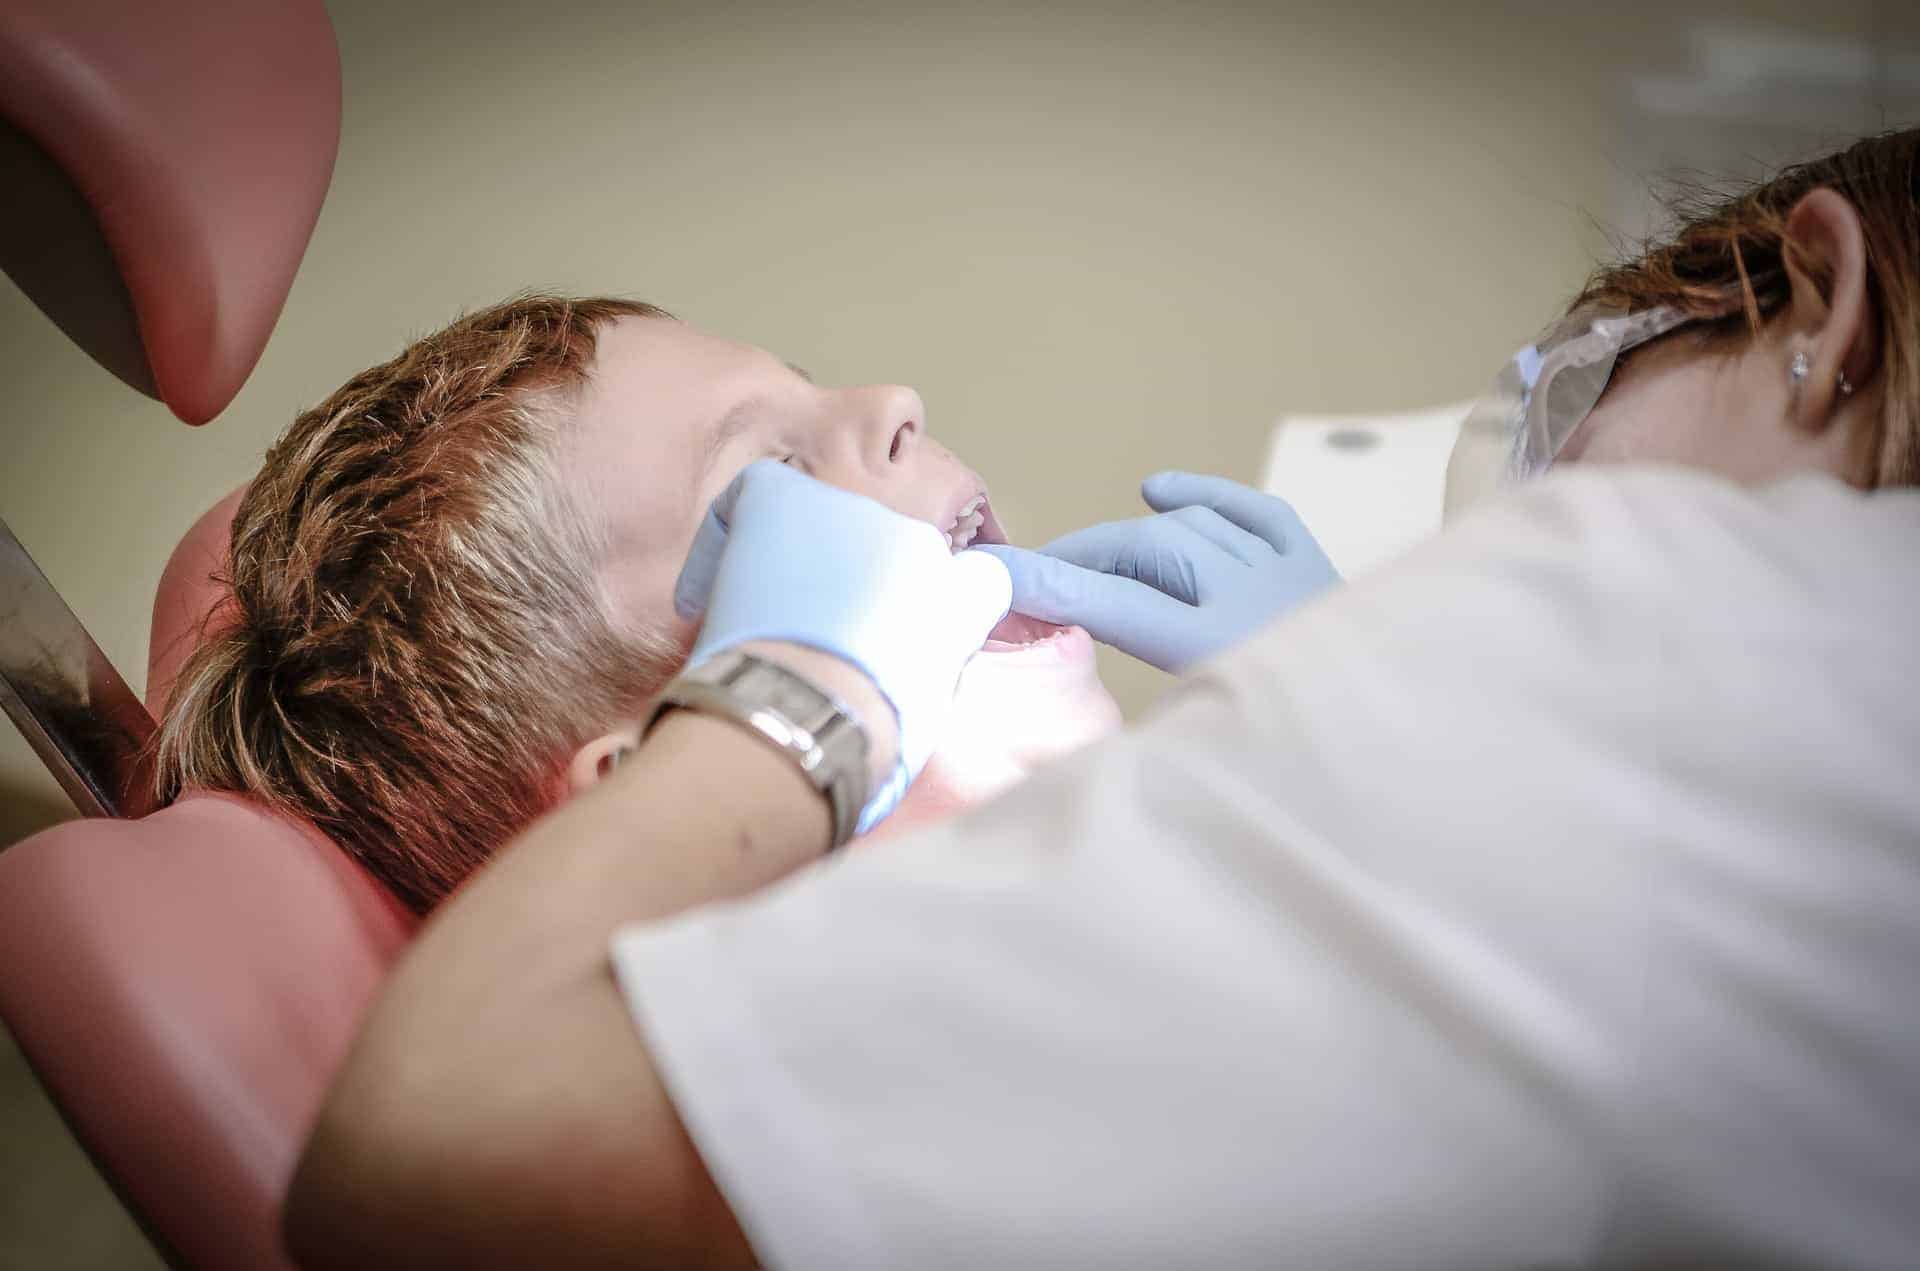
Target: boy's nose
x=877, y=454
x=894, y=418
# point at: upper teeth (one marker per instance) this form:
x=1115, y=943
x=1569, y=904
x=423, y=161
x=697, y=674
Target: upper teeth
x=967, y=523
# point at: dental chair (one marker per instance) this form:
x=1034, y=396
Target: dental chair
x=182, y=981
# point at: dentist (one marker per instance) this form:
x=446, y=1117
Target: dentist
x=1547, y=899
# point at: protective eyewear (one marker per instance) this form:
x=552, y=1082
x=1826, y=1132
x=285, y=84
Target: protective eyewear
x=1550, y=387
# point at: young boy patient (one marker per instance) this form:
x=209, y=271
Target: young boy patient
x=451, y=582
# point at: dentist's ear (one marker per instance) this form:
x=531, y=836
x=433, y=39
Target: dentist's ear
x=595, y=761
x=1831, y=320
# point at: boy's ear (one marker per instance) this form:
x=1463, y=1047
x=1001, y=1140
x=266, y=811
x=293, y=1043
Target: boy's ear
x=1833, y=324
x=595, y=761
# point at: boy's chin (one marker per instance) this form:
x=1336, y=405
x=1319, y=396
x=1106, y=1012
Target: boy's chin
x=932, y=797
x=1020, y=704
x=950, y=784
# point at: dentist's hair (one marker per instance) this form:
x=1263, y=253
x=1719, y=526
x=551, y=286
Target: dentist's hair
x=1725, y=261
x=417, y=636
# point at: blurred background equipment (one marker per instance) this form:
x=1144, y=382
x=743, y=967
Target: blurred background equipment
x=1369, y=486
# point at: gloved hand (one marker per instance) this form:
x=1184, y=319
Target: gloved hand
x=1218, y=561
x=781, y=556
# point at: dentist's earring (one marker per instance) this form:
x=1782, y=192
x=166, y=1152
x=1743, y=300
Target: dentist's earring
x=1798, y=370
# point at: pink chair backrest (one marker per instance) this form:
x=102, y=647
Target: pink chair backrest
x=186, y=984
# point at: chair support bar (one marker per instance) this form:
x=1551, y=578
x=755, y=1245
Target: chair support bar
x=66, y=698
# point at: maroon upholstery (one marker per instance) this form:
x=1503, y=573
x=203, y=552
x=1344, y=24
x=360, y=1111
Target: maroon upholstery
x=185, y=602
x=197, y=138
x=186, y=984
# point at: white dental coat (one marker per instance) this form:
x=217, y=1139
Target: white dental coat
x=1550, y=899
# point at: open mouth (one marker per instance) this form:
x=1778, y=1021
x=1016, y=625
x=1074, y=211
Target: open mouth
x=969, y=525
x=1019, y=631
x=973, y=525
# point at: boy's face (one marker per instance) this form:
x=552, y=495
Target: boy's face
x=672, y=414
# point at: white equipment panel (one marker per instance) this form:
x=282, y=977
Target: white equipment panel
x=1368, y=486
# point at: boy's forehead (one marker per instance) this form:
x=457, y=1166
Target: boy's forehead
x=658, y=392
x=668, y=360
x=661, y=386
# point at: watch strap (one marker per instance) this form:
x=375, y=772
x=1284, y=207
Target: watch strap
x=823, y=737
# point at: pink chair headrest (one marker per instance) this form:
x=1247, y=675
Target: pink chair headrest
x=195, y=140
x=188, y=601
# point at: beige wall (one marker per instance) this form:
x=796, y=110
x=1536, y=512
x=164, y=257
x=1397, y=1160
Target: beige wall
x=1099, y=241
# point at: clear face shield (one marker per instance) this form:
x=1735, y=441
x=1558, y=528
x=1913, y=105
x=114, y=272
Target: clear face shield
x=1541, y=397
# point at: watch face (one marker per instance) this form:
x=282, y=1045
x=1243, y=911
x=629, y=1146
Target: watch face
x=785, y=693
x=827, y=743
x=792, y=700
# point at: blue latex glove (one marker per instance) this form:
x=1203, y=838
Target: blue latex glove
x=781, y=556
x=1217, y=563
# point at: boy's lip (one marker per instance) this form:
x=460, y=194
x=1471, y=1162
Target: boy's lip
x=991, y=531
x=1018, y=633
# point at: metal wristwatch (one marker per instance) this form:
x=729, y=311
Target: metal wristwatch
x=789, y=711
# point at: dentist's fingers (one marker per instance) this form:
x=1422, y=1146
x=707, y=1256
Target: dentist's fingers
x=1248, y=549
x=695, y=583
x=1271, y=518
x=1123, y=612
x=1162, y=552
x=982, y=592
x=1096, y=547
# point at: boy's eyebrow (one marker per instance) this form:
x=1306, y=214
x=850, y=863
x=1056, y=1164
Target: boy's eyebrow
x=731, y=425
x=734, y=422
